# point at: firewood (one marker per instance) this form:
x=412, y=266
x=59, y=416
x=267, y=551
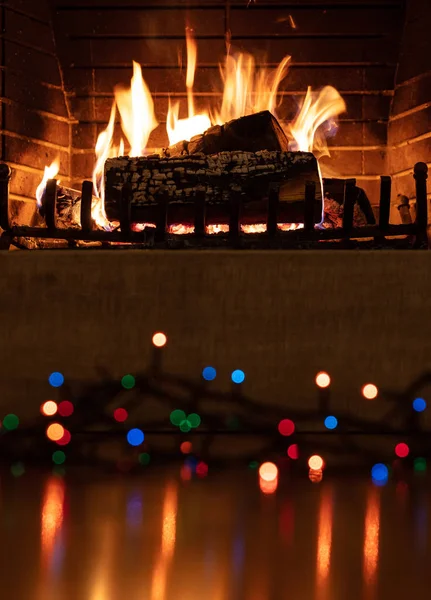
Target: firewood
x=219, y=177
x=260, y=131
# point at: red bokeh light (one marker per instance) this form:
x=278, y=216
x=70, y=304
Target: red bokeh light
x=120, y=415
x=286, y=427
x=65, y=439
x=186, y=447
x=65, y=408
x=186, y=473
x=293, y=452
x=202, y=469
x=402, y=450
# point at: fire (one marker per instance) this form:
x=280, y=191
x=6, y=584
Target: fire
x=246, y=89
x=184, y=129
x=138, y=120
x=50, y=173
x=136, y=108
x=316, y=110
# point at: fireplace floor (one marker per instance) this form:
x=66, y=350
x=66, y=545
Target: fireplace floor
x=159, y=537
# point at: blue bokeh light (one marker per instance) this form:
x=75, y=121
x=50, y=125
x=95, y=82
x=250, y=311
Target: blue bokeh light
x=135, y=437
x=209, y=373
x=379, y=473
x=419, y=404
x=331, y=422
x=238, y=376
x=56, y=379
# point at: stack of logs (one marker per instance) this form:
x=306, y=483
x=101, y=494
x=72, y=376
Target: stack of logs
x=241, y=162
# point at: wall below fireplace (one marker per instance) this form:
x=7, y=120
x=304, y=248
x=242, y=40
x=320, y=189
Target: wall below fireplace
x=279, y=316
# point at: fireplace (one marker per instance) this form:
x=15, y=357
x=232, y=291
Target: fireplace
x=62, y=61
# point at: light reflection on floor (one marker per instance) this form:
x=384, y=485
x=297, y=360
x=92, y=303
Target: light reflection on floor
x=159, y=537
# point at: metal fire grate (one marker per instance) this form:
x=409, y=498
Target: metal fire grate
x=381, y=235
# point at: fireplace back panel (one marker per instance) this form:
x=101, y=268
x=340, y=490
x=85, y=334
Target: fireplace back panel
x=61, y=60
x=351, y=45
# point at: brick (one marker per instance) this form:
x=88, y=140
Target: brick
x=375, y=162
x=139, y=21
x=19, y=120
x=414, y=94
x=34, y=94
x=30, y=61
x=34, y=155
x=407, y=156
x=343, y=163
x=321, y=50
x=410, y=126
x=24, y=183
x=258, y=19
x=23, y=29
x=82, y=166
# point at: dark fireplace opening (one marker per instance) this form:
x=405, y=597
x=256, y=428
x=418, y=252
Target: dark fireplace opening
x=63, y=63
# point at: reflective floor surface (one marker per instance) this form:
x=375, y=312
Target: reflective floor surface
x=157, y=537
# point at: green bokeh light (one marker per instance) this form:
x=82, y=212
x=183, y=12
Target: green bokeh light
x=185, y=426
x=10, y=422
x=59, y=471
x=253, y=464
x=194, y=420
x=128, y=382
x=177, y=417
x=58, y=457
x=17, y=469
x=144, y=458
x=420, y=465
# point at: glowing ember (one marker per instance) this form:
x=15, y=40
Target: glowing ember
x=179, y=229
x=50, y=173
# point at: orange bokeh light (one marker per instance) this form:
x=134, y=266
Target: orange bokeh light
x=268, y=471
x=315, y=462
x=268, y=487
x=159, y=339
x=322, y=379
x=370, y=391
x=49, y=408
x=55, y=432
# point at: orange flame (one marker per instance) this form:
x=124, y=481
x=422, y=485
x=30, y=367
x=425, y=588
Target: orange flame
x=136, y=108
x=248, y=90
x=50, y=173
x=184, y=129
x=314, y=112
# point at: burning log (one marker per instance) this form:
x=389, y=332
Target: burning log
x=260, y=131
x=219, y=178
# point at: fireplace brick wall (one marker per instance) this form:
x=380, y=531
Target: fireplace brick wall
x=35, y=122
x=409, y=134
x=352, y=45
